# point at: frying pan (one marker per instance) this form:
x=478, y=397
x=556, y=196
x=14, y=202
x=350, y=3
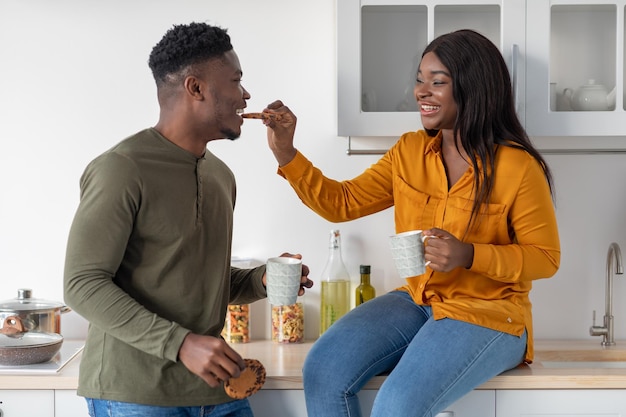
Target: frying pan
x=19, y=347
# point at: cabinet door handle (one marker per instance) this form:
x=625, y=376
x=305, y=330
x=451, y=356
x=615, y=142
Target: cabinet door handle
x=514, y=84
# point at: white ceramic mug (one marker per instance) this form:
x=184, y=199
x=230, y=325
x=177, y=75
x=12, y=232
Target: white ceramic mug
x=283, y=276
x=407, y=250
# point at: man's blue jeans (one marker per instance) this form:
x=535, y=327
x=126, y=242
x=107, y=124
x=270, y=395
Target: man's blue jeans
x=105, y=408
x=430, y=363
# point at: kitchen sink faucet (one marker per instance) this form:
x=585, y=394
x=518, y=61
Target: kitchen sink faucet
x=606, y=331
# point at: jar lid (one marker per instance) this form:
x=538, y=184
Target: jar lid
x=24, y=303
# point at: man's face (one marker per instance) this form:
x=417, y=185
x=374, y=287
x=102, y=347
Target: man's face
x=226, y=97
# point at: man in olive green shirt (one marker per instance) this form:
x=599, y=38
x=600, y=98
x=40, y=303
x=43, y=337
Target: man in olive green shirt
x=148, y=256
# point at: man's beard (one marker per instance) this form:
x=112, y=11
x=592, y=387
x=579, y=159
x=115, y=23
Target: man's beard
x=230, y=134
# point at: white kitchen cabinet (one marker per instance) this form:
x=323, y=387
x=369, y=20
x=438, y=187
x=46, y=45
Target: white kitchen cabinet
x=566, y=59
x=271, y=403
x=478, y=403
x=26, y=403
x=68, y=404
x=379, y=46
x=560, y=403
x=571, y=44
x=290, y=403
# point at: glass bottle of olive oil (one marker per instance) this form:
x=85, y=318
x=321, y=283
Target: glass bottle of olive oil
x=365, y=291
x=335, y=285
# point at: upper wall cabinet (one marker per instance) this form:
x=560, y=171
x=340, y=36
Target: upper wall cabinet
x=566, y=59
x=379, y=46
x=575, y=68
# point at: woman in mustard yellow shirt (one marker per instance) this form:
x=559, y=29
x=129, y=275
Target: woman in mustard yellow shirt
x=473, y=179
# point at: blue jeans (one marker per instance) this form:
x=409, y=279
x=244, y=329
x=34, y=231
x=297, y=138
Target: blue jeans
x=106, y=408
x=430, y=363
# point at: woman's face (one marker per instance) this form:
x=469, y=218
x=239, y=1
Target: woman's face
x=433, y=92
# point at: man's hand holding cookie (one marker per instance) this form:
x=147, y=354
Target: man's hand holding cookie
x=211, y=358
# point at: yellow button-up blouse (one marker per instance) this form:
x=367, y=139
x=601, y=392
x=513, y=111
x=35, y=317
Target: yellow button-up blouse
x=515, y=240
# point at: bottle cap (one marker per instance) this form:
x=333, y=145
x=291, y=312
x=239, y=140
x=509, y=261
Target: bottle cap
x=365, y=269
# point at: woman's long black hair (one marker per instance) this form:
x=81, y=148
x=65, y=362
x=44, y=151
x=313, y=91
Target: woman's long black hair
x=486, y=110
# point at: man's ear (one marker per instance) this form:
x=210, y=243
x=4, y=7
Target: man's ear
x=194, y=87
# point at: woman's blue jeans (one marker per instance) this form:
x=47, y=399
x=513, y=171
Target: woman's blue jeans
x=106, y=408
x=430, y=363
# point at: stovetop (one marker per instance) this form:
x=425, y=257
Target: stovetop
x=69, y=349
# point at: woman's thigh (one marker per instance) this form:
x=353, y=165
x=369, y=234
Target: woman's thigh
x=444, y=361
x=367, y=341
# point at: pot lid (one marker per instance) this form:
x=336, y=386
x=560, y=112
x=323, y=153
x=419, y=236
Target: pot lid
x=29, y=339
x=25, y=302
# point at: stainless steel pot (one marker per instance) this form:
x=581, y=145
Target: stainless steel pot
x=19, y=347
x=35, y=314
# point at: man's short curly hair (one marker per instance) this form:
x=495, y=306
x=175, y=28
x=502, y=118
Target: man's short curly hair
x=185, y=45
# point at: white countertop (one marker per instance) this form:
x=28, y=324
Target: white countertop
x=284, y=368
x=66, y=378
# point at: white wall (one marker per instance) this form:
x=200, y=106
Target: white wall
x=74, y=81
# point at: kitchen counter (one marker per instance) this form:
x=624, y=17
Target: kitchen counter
x=65, y=379
x=284, y=368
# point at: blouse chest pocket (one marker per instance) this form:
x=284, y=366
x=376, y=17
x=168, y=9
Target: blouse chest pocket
x=414, y=209
x=489, y=226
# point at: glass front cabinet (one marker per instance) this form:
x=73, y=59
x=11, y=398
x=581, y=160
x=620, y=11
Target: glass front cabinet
x=379, y=46
x=566, y=60
x=575, y=68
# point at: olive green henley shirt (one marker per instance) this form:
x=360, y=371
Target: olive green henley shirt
x=148, y=261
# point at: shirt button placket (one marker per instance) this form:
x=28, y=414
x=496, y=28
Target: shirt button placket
x=200, y=194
